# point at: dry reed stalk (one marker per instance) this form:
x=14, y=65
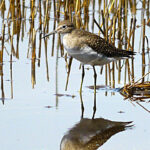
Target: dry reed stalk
x=66, y=10
x=104, y=6
x=113, y=42
x=118, y=66
x=66, y=7
x=126, y=7
x=114, y=29
x=125, y=22
x=119, y=16
x=143, y=107
x=130, y=33
x=12, y=12
x=46, y=20
x=58, y=9
x=105, y=25
x=33, y=74
x=119, y=19
x=106, y=21
x=78, y=7
x=93, y=15
x=2, y=8
x=136, y=82
x=54, y=7
x=147, y=41
x=2, y=4
x=2, y=50
x=143, y=4
x=11, y=39
x=86, y=13
x=32, y=5
x=40, y=35
x=1, y=63
x=143, y=50
x=11, y=76
x=129, y=72
x=53, y=39
x=99, y=10
x=132, y=67
x=68, y=72
x=33, y=42
x=110, y=70
x=18, y=26
x=134, y=7
x=133, y=33
x=46, y=61
x=23, y=21
x=99, y=27
x=111, y=9
x=127, y=61
x=148, y=9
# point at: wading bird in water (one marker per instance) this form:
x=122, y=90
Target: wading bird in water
x=88, y=48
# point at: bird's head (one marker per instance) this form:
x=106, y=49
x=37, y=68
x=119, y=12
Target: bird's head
x=63, y=27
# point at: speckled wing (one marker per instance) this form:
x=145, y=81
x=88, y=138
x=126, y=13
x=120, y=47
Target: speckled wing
x=101, y=46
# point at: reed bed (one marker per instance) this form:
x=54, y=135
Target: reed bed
x=112, y=20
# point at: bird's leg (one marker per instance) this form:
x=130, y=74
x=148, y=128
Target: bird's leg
x=94, y=107
x=95, y=77
x=83, y=73
x=82, y=106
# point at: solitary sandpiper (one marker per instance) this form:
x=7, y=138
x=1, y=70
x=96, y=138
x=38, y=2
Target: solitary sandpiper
x=88, y=48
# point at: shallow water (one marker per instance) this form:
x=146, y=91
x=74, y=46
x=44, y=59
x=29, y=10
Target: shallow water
x=37, y=116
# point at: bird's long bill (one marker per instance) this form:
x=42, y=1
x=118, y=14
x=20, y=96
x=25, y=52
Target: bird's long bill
x=46, y=35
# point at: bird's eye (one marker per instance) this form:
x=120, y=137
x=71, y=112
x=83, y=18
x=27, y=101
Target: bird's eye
x=64, y=26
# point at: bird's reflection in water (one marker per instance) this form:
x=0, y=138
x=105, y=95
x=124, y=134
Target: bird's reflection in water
x=90, y=134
